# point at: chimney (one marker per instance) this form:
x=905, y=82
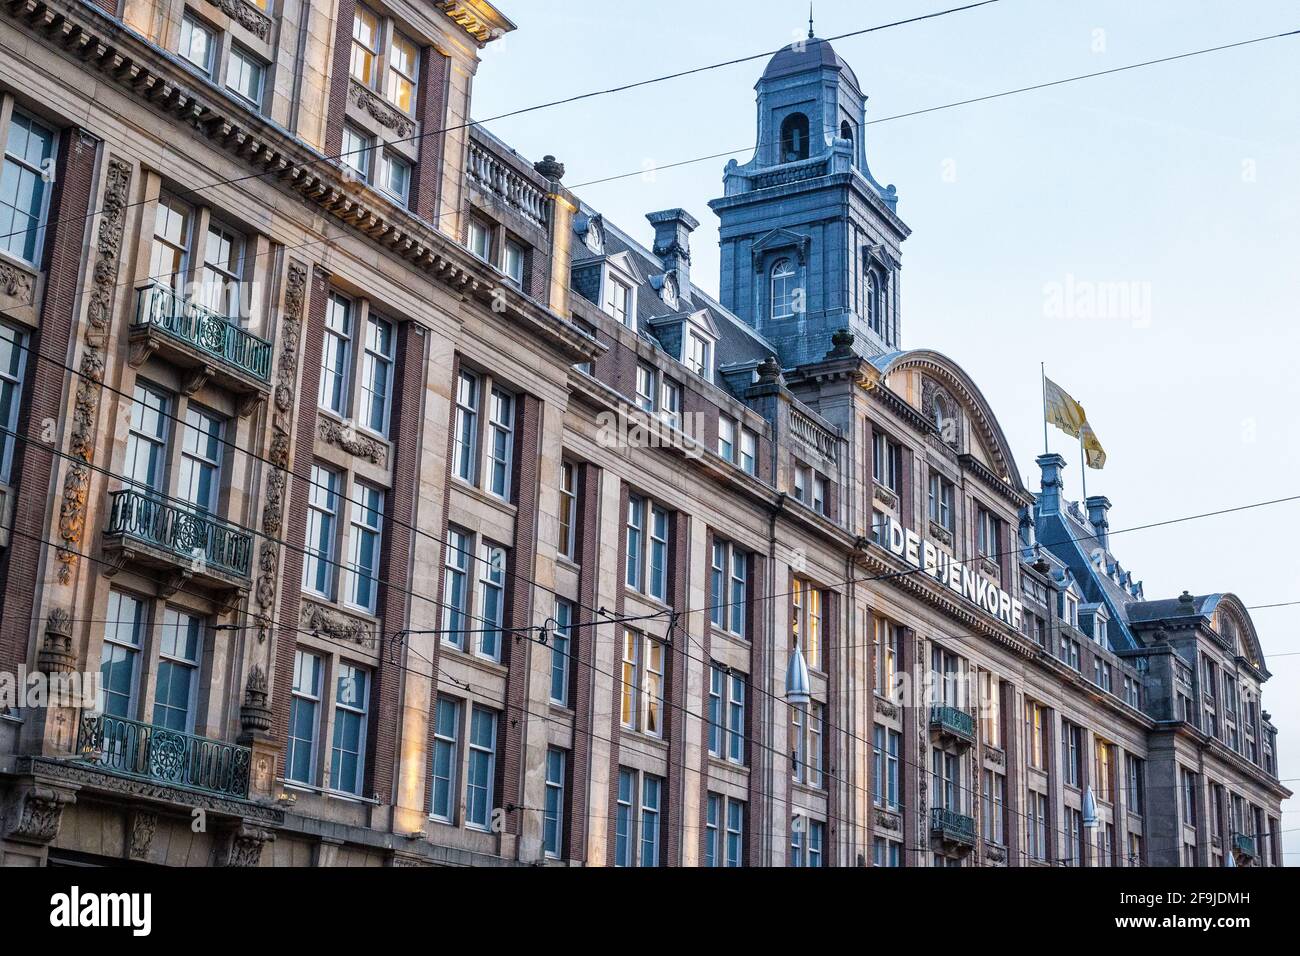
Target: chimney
x=1049, y=500
x=1098, y=506
x=673, y=228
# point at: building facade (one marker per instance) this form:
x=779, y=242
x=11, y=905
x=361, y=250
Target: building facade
x=401, y=510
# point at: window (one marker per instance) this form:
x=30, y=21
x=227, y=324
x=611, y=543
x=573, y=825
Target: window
x=886, y=748
x=748, y=451
x=1070, y=608
x=1188, y=782
x=357, y=150
x=1071, y=754
x=500, y=442
x=198, y=44
x=169, y=253
x=889, y=656
x=806, y=744
x=794, y=138
x=322, y=516
x=806, y=620
x=619, y=302
x=120, y=657
x=995, y=798
x=991, y=709
x=304, y=719
x=784, y=294
x=446, y=734
x=945, y=772
x=365, y=46
x=635, y=805
x=245, y=75
x=455, y=587
x=941, y=498
x=553, y=812
x=467, y=392
x=647, y=555
x=886, y=461
x=376, y=375
x=727, y=439
x=724, y=831
x=1102, y=759
x=1036, y=825
x=643, y=680
x=561, y=642
x=514, y=262
x=1134, y=849
x=178, y=671
x=223, y=263
x=146, y=450
x=698, y=350
x=726, y=714
x=25, y=185
x=403, y=60
x=645, y=388
x=728, y=580
x=987, y=538
x=394, y=177
x=568, y=511
x=886, y=852
x=348, y=759
x=481, y=768
x=1136, y=795
x=199, y=482
x=815, y=833
x=13, y=346
x=1035, y=739
x=947, y=683
x=491, y=600
x=362, y=587
x=1102, y=674
x=336, y=357
x=480, y=240
x=1070, y=652
x=1073, y=837
x=873, y=302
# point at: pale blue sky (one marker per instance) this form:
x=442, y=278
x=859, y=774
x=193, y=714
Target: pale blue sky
x=1180, y=177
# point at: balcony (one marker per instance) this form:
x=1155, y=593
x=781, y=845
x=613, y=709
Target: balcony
x=952, y=827
x=187, y=543
x=131, y=748
x=212, y=346
x=953, y=722
x=1244, y=844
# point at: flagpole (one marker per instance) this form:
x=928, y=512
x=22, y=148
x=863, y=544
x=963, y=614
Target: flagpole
x=1083, y=467
x=1042, y=370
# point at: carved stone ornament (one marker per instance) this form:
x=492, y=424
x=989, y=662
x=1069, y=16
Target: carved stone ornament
x=255, y=713
x=345, y=436
x=386, y=116
x=37, y=815
x=246, y=15
x=886, y=708
x=889, y=821
x=56, y=655
x=244, y=846
x=99, y=313
x=282, y=409
x=144, y=823
x=334, y=624
x=17, y=284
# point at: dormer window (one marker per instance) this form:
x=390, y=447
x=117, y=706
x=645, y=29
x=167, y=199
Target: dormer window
x=783, y=289
x=669, y=292
x=619, y=301
x=595, y=236
x=698, y=350
x=794, y=138
x=1070, y=608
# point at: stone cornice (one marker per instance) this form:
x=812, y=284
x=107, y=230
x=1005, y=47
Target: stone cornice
x=141, y=70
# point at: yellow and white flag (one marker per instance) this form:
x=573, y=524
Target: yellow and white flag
x=1068, y=415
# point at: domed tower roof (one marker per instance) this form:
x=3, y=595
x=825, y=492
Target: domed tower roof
x=804, y=56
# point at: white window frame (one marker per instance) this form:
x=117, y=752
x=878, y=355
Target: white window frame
x=324, y=497
x=347, y=671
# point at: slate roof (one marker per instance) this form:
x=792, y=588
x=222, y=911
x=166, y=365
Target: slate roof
x=806, y=55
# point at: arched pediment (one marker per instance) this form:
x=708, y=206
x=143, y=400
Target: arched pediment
x=950, y=383
x=1233, y=622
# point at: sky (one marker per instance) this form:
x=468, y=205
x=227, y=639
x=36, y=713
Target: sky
x=1139, y=233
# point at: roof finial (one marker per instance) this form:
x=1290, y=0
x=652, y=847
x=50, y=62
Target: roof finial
x=810, y=20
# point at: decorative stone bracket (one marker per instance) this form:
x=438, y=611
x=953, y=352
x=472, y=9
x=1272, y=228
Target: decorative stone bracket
x=36, y=815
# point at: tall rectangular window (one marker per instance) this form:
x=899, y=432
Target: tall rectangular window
x=13, y=352
x=200, y=482
x=889, y=654
x=356, y=152
x=500, y=442
x=146, y=442
x=645, y=388
x=1036, y=825
x=491, y=600
x=748, y=451
x=513, y=264
x=886, y=747
x=481, y=767
x=403, y=61
x=480, y=240
x=467, y=392
x=941, y=501
x=643, y=681
x=223, y=264
x=568, y=544
x=886, y=461
x=169, y=252
x=304, y=719
x=446, y=736
x=623, y=814
x=1035, y=739
x=986, y=534
x=120, y=659
x=455, y=587
x=1071, y=754
x=995, y=798
x=991, y=709
x=365, y=46
x=348, y=756
x=619, y=300
x=553, y=812
x=726, y=714
x=806, y=620
x=727, y=439
x=636, y=509
x=561, y=644
x=651, y=797
x=363, y=559
x=25, y=186
x=335, y=357
x=376, y=375
x=806, y=744
x=717, y=725
x=1136, y=785
x=176, y=693
x=322, y=517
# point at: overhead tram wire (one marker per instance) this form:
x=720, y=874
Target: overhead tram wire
x=591, y=94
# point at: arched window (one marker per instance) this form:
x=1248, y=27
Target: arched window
x=783, y=289
x=846, y=131
x=873, y=303
x=794, y=138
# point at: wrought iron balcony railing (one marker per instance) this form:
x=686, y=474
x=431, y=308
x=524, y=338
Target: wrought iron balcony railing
x=1244, y=843
x=196, y=539
x=201, y=328
x=132, y=748
x=952, y=826
x=951, y=720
